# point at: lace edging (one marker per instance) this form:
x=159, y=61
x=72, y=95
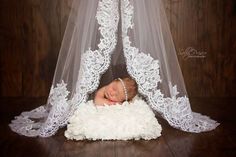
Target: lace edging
x=93, y=64
x=145, y=70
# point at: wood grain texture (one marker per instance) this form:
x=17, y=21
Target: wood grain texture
x=34, y=29
x=206, y=26
x=31, y=32
x=220, y=142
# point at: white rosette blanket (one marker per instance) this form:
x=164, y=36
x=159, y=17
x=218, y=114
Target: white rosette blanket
x=130, y=120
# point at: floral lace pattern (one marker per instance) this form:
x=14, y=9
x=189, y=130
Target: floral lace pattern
x=93, y=65
x=145, y=70
x=141, y=66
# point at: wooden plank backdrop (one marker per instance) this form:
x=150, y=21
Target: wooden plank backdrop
x=31, y=32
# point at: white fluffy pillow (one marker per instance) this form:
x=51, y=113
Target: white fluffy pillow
x=134, y=120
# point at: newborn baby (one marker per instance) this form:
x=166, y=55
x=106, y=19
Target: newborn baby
x=133, y=120
x=118, y=91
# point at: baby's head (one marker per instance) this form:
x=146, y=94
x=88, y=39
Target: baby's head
x=115, y=91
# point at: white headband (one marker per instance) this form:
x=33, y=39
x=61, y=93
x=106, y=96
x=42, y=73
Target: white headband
x=123, y=84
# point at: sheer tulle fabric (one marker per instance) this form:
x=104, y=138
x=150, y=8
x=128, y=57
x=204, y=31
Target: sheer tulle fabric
x=106, y=39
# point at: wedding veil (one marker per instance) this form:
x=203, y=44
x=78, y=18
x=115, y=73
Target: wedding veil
x=107, y=39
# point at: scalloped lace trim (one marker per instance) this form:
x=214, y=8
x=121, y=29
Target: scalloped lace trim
x=93, y=64
x=141, y=66
x=145, y=70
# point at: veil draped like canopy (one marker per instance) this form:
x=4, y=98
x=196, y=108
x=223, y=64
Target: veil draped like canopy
x=107, y=39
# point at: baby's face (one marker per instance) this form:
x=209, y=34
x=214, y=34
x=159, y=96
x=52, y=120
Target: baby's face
x=115, y=91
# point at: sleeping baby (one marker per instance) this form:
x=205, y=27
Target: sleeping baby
x=104, y=119
x=118, y=91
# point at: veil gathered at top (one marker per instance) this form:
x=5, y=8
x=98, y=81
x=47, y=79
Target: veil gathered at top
x=107, y=39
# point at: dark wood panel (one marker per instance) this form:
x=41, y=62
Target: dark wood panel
x=44, y=35
x=11, y=46
x=31, y=32
x=205, y=26
x=31, y=36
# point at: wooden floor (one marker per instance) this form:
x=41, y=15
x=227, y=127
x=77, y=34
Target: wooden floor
x=173, y=143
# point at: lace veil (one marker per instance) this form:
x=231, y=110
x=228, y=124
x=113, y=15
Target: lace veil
x=106, y=39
